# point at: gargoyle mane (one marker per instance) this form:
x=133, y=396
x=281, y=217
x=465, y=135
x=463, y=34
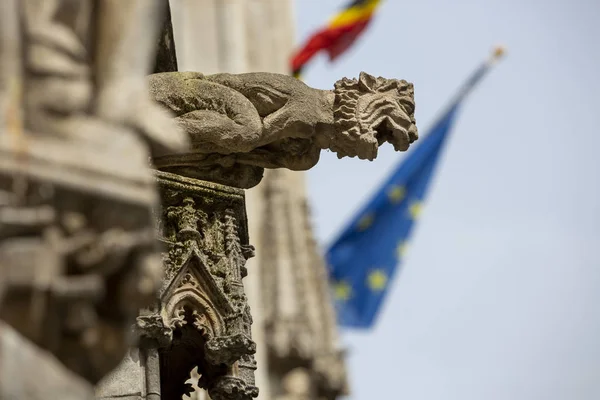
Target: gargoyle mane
x=351, y=126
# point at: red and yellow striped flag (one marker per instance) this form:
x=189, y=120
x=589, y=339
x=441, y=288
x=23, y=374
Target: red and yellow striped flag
x=338, y=35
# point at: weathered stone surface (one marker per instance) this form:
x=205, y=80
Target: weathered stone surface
x=262, y=120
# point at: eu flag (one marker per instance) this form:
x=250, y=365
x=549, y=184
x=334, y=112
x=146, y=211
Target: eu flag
x=365, y=257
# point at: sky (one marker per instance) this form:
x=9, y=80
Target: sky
x=499, y=298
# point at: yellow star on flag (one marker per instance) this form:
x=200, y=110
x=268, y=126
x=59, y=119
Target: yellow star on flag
x=401, y=250
x=415, y=209
x=377, y=280
x=342, y=291
x=396, y=194
x=365, y=222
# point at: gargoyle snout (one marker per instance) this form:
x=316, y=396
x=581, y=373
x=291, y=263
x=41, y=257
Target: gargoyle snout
x=399, y=132
x=413, y=133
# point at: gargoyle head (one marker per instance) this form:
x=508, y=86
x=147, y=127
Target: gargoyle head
x=370, y=111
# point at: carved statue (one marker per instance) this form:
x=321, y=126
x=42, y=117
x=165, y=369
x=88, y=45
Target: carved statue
x=272, y=120
x=78, y=250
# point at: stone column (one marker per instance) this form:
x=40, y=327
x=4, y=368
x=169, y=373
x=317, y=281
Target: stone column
x=152, y=373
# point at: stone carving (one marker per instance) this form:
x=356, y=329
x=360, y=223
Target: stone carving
x=78, y=253
x=203, y=319
x=228, y=349
x=152, y=326
x=239, y=124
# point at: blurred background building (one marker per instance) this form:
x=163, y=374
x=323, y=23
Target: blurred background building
x=294, y=323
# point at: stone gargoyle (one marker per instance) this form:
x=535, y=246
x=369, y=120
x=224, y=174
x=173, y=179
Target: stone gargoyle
x=271, y=120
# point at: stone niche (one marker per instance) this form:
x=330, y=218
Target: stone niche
x=201, y=318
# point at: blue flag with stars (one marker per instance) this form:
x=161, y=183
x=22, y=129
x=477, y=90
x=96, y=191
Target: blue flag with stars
x=365, y=257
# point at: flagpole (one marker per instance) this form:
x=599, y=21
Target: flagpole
x=497, y=54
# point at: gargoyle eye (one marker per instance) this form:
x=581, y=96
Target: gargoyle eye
x=408, y=106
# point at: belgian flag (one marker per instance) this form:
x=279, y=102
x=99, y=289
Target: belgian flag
x=338, y=35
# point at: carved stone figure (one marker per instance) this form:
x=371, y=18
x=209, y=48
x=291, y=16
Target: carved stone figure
x=266, y=120
x=78, y=251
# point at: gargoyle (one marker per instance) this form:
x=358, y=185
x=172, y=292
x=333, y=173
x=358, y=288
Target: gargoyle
x=272, y=121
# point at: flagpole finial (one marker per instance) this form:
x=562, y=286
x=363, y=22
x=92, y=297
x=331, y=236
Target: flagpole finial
x=498, y=53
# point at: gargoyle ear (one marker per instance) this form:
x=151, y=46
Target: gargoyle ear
x=366, y=82
x=386, y=85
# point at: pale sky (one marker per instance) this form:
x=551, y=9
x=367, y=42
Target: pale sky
x=500, y=296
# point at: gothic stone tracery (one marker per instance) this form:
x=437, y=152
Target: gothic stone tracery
x=202, y=319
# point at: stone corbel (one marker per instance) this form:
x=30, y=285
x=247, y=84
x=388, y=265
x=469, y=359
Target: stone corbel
x=151, y=328
x=228, y=349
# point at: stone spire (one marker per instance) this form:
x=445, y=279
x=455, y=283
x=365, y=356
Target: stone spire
x=300, y=323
